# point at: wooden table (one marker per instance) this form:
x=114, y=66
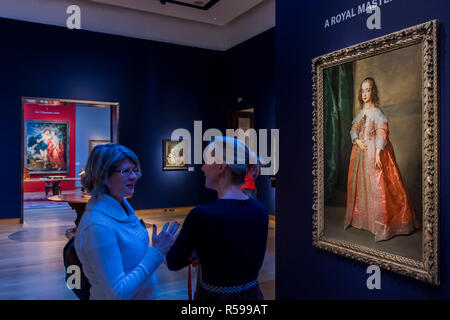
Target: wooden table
x=77, y=202
x=55, y=183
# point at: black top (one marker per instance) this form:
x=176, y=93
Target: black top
x=229, y=238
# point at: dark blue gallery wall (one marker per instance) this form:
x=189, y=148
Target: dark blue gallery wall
x=251, y=76
x=160, y=87
x=305, y=272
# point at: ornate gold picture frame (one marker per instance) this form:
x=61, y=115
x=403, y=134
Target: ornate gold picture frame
x=376, y=152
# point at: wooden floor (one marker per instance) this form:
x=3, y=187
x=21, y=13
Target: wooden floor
x=31, y=265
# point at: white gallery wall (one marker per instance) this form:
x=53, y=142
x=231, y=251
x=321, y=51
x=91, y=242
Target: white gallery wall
x=92, y=123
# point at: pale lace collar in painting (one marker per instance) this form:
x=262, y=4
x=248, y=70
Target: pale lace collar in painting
x=376, y=115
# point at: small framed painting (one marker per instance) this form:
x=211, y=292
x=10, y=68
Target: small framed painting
x=94, y=143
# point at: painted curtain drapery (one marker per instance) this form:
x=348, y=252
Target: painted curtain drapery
x=377, y=200
x=338, y=113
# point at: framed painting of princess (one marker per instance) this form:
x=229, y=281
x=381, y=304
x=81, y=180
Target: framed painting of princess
x=376, y=152
x=46, y=146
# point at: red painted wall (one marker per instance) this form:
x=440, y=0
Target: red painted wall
x=55, y=113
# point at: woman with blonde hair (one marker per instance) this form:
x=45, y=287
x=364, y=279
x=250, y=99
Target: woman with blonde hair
x=111, y=242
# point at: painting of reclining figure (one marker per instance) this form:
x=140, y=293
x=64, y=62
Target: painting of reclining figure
x=376, y=151
x=172, y=155
x=377, y=199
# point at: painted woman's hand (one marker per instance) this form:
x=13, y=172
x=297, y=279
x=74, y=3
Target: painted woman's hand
x=166, y=238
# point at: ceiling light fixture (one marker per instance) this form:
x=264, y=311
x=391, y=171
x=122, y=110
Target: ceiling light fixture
x=197, y=4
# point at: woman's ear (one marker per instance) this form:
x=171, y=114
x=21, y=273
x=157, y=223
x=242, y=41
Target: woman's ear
x=222, y=168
